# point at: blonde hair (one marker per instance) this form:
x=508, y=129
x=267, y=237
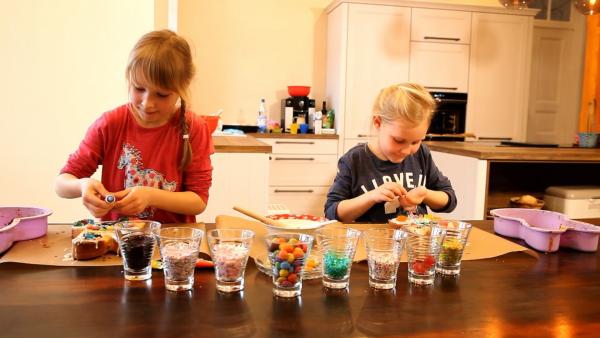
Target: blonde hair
x=408, y=101
x=164, y=59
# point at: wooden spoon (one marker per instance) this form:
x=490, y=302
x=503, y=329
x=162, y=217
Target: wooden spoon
x=259, y=217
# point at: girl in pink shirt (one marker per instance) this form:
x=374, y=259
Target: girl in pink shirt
x=155, y=155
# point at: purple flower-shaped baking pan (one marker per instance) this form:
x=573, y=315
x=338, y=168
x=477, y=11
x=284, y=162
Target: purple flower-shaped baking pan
x=546, y=230
x=21, y=223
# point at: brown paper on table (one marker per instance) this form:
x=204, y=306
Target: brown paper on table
x=55, y=249
x=480, y=245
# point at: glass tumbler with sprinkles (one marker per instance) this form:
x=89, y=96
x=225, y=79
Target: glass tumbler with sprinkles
x=230, y=249
x=179, y=248
x=384, y=248
x=288, y=253
x=338, y=245
x=136, y=243
x=422, y=248
x=450, y=256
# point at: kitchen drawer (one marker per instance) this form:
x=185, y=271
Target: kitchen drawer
x=300, y=200
x=435, y=25
x=301, y=146
x=302, y=170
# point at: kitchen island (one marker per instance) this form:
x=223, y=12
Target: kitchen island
x=485, y=176
x=240, y=176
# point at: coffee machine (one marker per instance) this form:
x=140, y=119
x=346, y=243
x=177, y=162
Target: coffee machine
x=297, y=109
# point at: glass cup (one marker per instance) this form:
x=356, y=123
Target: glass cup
x=450, y=255
x=338, y=245
x=287, y=255
x=136, y=244
x=384, y=248
x=229, y=249
x=179, y=248
x=422, y=246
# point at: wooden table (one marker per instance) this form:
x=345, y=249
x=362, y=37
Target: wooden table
x=556, y=295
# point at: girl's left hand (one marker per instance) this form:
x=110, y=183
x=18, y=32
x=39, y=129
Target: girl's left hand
x=413, y=198
x=134, y=200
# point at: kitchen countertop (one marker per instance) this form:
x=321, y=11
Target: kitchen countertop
x=487, y=151
x=239, y=144
x=298, y=136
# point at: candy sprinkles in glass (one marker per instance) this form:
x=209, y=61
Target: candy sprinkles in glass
x=384, y=248
x=136, y=242
x=453, y=246
x=288, y=253
x=179, y=248
x=229, y=249
x=339, y=246
x=422, y=246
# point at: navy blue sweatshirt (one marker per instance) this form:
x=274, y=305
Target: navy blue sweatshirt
x=360, y=171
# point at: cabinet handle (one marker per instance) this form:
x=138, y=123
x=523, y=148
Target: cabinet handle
x=495, y=138
x=294, y=142
x=294, y=190
x=443, y=88
x=294, y=158
x=440, y=38
x=363, y=135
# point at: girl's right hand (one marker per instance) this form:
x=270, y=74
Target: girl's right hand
x=92, y=195
x=387, y=192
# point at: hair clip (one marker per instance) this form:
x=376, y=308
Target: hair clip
x=186, y=136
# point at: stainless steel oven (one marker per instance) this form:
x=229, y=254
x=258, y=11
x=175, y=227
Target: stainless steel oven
x=448, y=122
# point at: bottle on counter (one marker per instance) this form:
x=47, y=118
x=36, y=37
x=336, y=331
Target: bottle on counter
x=261, y=122
x=330, y=119
x=325, y=121
x=318, y=123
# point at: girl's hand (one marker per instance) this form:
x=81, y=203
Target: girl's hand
x=92, y=195
x=387, y=192
x=413, y=198
x=134, y=200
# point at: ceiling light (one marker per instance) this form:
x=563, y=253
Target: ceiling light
x=587, y=7
x=516, y=4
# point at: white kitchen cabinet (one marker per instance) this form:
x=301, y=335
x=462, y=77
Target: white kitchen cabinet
x=438, y=25
x=468, y=176
x=301, y=170
x=440, y=66
x=238, y=179
x=439, y=49
x=367, y=50
x=484, y=51
x=499, y=75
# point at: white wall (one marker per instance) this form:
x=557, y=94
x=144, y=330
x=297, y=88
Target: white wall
x=245, y=50
x=62, y=64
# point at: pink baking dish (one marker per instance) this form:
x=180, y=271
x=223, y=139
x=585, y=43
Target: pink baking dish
x=546, y=230
x=21, y=223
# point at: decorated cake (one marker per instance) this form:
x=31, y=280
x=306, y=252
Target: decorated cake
x=92, y=239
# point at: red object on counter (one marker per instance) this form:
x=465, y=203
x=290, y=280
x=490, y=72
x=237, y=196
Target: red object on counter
x=298, y=90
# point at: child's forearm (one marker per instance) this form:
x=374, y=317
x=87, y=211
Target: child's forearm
x=436, y=199
x=67, y=186
x=183, y=202
x=351, y=209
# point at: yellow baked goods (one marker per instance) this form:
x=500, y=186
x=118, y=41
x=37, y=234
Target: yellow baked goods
x=527, y=199
x=90, y=244
x=91, y=239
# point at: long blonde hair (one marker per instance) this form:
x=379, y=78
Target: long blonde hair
x=164, y=59
x=408, y=101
